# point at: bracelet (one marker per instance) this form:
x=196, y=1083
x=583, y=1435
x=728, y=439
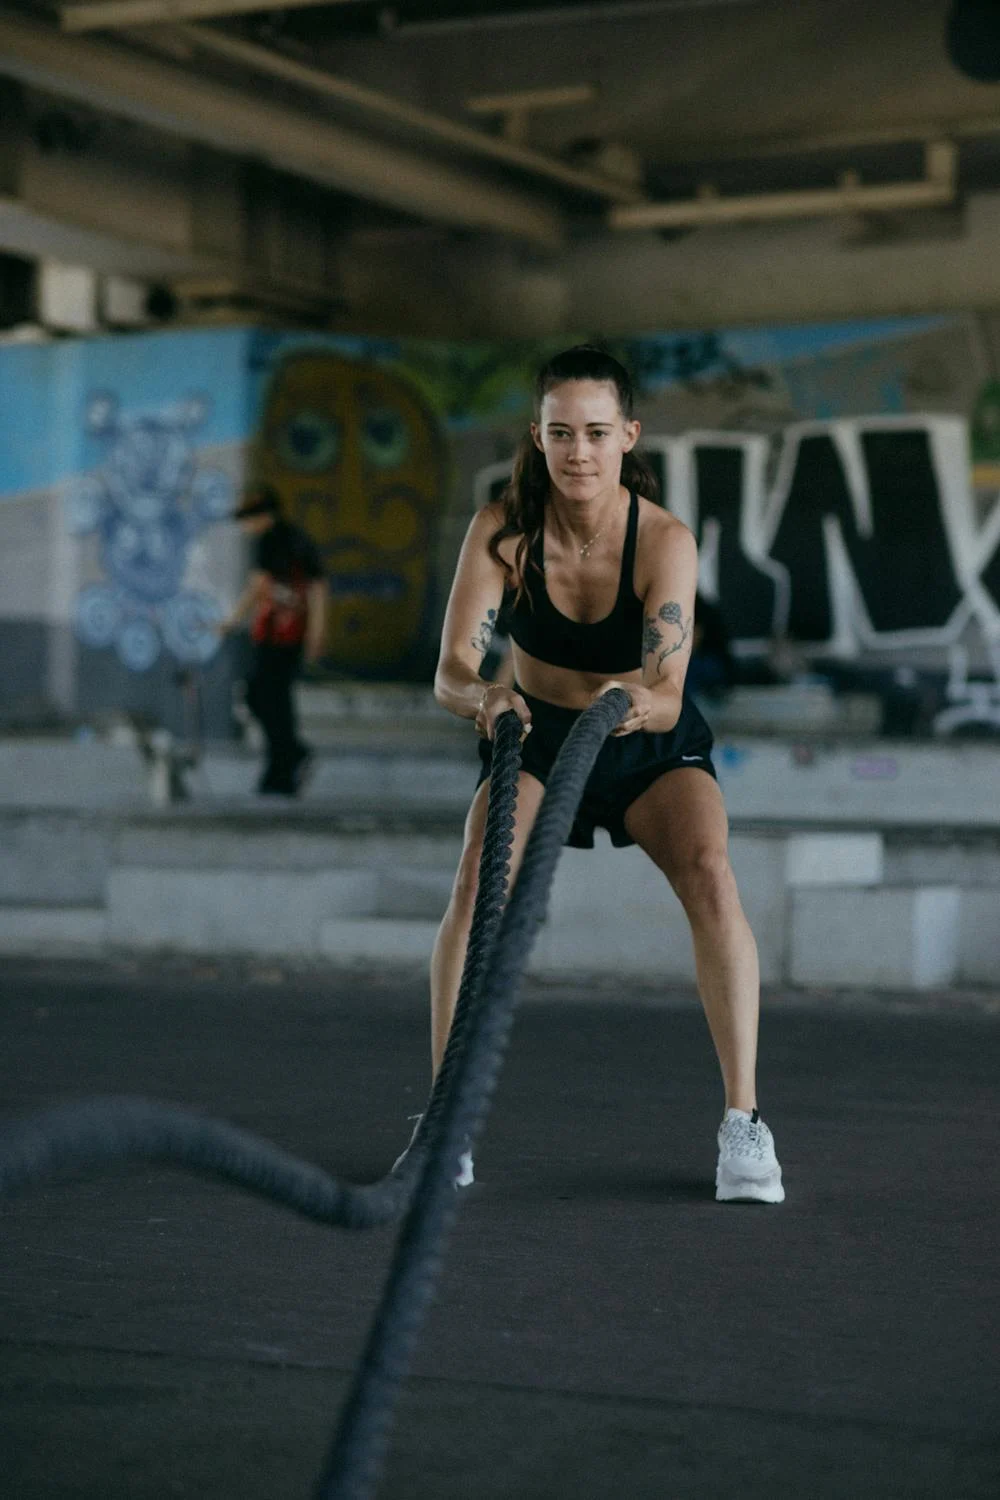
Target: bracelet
x=489, y=688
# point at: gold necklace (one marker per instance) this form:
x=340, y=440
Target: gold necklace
x=585, y=549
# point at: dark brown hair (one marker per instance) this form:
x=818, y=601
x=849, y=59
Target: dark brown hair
x=525, y=495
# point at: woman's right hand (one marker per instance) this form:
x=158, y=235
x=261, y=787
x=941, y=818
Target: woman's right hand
x=496, y=700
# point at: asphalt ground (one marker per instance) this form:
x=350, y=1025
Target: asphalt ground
x=603, y=1327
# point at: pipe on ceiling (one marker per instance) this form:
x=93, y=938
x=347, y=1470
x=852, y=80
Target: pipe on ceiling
x=162, y=96
x=345, y=90
x=94, y=15
x=850, y=197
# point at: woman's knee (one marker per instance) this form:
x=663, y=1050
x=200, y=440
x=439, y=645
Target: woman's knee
x=706, y=885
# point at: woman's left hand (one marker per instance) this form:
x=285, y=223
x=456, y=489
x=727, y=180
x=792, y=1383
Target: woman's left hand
x=640, y=699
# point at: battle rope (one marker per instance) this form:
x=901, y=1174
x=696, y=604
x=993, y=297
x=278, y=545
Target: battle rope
x=103, y=1130
x=90, y=1133
x=358, y=1452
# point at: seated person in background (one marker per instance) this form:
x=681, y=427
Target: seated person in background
x=712, y=670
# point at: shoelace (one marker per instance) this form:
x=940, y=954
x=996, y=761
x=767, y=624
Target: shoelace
x=746, y=1136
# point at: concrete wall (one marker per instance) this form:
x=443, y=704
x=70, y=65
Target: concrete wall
x=413, y=759
x=875, y=910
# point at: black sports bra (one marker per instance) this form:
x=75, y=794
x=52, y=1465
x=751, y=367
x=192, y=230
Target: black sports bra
x=613, y=644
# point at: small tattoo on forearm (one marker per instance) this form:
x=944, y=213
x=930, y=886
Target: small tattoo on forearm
x=483, y=638
x=652, y=636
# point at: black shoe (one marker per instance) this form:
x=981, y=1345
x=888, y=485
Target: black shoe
x=275, y=786
x=305, y=766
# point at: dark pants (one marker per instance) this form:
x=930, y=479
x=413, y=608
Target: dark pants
x=270, y=700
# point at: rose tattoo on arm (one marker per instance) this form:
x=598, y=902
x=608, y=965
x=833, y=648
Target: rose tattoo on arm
x=653, y=636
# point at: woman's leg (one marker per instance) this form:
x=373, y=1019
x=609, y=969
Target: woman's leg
x=680, y=822
x=453, y=935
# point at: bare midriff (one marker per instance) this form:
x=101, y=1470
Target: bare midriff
x=562, y=686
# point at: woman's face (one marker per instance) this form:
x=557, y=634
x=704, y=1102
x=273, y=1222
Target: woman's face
x=583, y=435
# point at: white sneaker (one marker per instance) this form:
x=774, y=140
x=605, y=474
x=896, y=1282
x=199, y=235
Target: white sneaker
x=748, y=1169
x=465, y=1175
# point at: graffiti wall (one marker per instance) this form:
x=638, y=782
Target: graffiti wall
x=121, y=458
x=866, y=530
x=146, y=503
x=847, y=498
x=359, y=458
x=842, y=481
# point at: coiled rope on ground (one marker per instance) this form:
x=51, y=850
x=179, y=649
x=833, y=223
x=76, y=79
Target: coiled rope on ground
x=100, y=1131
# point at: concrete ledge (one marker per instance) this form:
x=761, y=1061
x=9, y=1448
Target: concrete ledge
x=377, y=940
x=879, y=939
x=55, y=858
x=834, y=859
x=874, y=784
x=280, y=845
x=216, y=911
x=613, y=911
x=861, y=784
x=979, y=937
x=65, y=773
x=416, y=893
x=53, y=929
x=899, y=908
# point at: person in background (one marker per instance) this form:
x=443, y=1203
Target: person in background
x=711, y=670
x=285, y=598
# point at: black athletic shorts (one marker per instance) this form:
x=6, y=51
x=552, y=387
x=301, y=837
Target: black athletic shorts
x=626, y=765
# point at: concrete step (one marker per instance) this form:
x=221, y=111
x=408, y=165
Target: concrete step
x=388, y=717
x=375, y=778
x=897, y=910
x=232, y=910
x=377, y=940
x=805, y=708
x=71, y=774
x=882, y=939
x=53, y=930
x=873, y=784
x=367, y=702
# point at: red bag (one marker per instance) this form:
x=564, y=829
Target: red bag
x=281, y=618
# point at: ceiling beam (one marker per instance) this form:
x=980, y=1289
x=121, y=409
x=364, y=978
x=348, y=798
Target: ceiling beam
x=98, y=15
x=40, y=234
x=436, y=127
x=696, y=150
x=849, y=197
x=154, y=93
x=93, y=15
x=486, y=19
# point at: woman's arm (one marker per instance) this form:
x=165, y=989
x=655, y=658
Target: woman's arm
x=667, y=626
x=469, y=622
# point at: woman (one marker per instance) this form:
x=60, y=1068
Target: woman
x=598, y=584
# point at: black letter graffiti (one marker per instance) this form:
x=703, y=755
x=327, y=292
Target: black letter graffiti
x=903, y=567
x=746, y=594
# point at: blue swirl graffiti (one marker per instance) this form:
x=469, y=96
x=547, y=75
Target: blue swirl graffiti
x=146, y=504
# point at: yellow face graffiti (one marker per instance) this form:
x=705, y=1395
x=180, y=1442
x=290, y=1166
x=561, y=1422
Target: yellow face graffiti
x=359, y=462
